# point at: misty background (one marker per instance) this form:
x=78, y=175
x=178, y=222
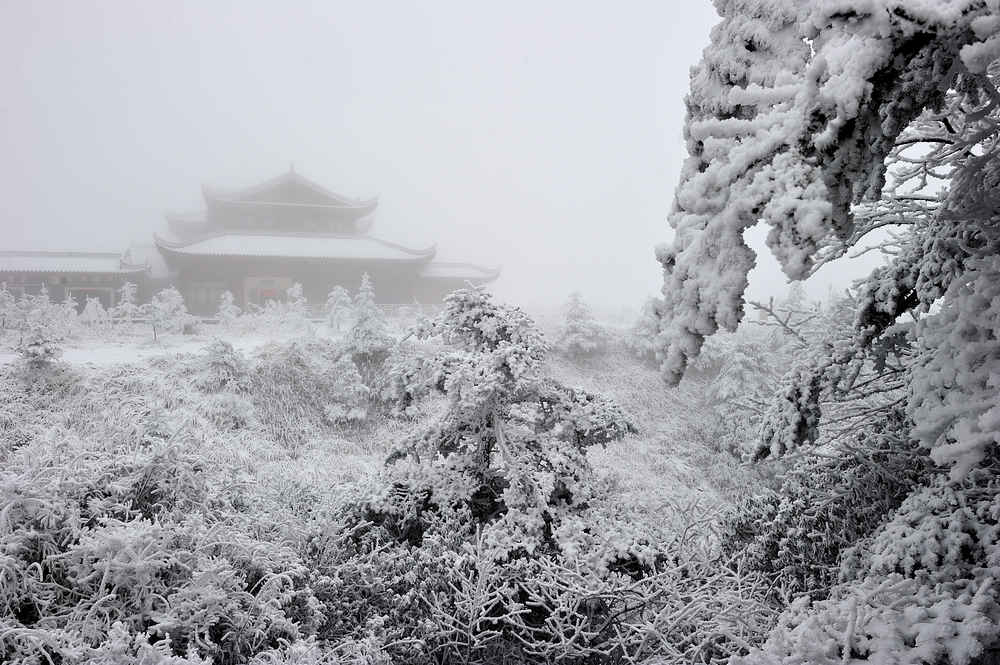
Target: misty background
x=545, y=137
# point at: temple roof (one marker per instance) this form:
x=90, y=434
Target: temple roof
x=290, y=189
x=296, y=245
x=459, y=271
x=71, y=262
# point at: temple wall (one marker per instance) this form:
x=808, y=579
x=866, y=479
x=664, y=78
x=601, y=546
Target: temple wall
x=203, y=281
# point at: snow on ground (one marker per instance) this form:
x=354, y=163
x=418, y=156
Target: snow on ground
x=105, y=353
x=138, y=345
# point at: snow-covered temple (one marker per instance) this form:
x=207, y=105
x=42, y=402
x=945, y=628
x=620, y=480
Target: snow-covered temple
x=255, y=243
x=80, y=275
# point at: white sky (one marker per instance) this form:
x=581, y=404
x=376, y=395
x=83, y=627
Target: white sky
x=545, y=137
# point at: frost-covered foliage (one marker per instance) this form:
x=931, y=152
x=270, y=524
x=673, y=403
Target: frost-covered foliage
x=580, y=335
x=290, y=315
x=167, y=312
x=793, y=111
x=516, y=550
x=510, y=451
x=305, y=386
x=127, y=309
x=119, y=542
x=150, y=513
x=744, y=370
x=830, y=121
x=338, y=308
x=95, y=317
x=825, y=504
x=229, y=312
x=36, y=315
x=128, y=534
x=295, y=302
x=368, y=337
x=955, y=382
x=920, y=590
x=38, y=348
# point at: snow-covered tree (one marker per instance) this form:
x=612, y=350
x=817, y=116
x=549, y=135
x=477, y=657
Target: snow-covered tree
x=580, y=335
x=37, y=315
x=509, y=455
x=793, y=113
x=126, y=310
x=338, y=308
x=229, y=311
x=368, y=337
x=831, y=121
x=167, y=312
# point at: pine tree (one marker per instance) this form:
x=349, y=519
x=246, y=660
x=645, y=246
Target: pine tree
x=127, y=308
x=580, y=335
x=338, y=308
x=368, y=337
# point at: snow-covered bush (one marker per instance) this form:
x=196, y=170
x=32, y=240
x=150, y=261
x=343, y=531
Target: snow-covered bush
x=338, y=308
x=227, y=412
x=222, y=368
x=450, y=600
x=304, y=386
x=215, y=592
x=580, y=335
x=38, y=349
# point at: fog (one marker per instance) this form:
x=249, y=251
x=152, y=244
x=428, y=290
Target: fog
x=544, y=137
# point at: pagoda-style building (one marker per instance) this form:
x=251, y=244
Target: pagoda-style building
x=257, y=242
